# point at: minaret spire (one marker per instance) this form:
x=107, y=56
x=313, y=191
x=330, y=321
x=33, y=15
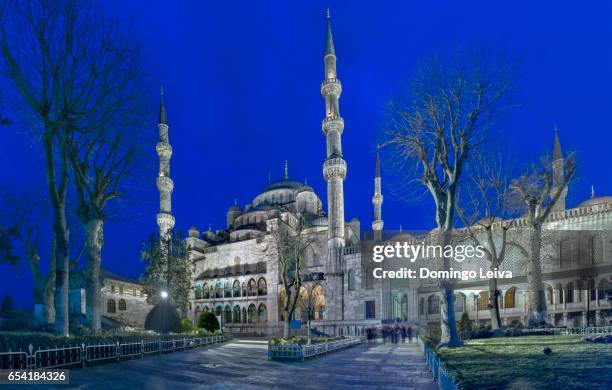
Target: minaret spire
x=334, y=172
x=286, y=169
x=329, y=49
x=377, y=200
x=558, y=170
x=165, y=185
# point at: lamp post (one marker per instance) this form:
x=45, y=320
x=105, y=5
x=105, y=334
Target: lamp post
x=477, y=304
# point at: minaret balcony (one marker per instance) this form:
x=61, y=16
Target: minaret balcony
x=165, y=184
x=165, y=220
x=331, y=87
x=333, y=123
x=377, y=225
x=334, y=167
x=164, y=150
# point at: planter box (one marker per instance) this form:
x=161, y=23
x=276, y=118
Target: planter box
x=301, y=352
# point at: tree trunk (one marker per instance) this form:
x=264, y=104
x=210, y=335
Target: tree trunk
x=448, y=324
x=49, y=298
x=60, y=228
x=286, y=328
x=494, y=309
x=536, y=303
x=309, y=332
x=94, y=230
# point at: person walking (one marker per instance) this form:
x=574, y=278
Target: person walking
x=403, y=333
x=409, y=333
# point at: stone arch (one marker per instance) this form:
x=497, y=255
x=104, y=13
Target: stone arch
x=227, y=290
x=228, y=314
x=236, y=288
x=318, y=301
x=262, y=287
x=404, y=305
x=483, y=300
x=218, y=310
x=122, y=305
x=422, y=306
x=110, y=306
x=251, y=288
x=198, y=291
x=460, y=302
x=510, y=298
x=251, y=314
x=549, y=293
x=236, y=318
x=262, y=313
x=244, y=315
x=433, y=304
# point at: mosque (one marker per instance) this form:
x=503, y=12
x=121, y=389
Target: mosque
x=239, y=282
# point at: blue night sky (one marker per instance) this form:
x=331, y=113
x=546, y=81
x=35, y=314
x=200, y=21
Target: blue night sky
x=242, y=79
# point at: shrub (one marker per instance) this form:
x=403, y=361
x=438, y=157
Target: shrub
x=187, y=325
x=208, y=321
x=465, y=325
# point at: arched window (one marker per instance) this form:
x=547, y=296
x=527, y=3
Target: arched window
x=262, y=287
x=510, y=298
x=433, y=304
x=459, y=303
x=237, y=314
x=236, y=288
x=228, y=314
x=218, y=289
x=351, y=280
x=218, y=310
x=244, y=289
x=205, y=292
x=422, y=306
x=227, y=290
x=122, y=305
x=318, y=301
x=560, y=297
x=316, y=260
x=262, y=313
x=252, y=288
x=110, y=306
x=251, y=314
x=206, y=310
x=198, y=291
x=244, y=316
x=212, y=291
x=483, y=300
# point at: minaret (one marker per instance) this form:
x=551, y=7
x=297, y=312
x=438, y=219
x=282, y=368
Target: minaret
x=334, y=167
x=558, y=164
x=377, y=200
x=165, y=219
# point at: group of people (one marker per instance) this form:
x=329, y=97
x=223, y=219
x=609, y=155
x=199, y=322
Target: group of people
x=394, y=333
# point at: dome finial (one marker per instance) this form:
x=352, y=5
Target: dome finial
x=163, y=118
x=286, y=169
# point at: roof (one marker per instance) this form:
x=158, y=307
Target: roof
x=163, y=118
x=596, y=200
x=284, y=184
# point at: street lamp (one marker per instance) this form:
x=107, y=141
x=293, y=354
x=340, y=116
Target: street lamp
x=164, y=294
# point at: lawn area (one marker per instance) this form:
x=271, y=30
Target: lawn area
x=519, y=363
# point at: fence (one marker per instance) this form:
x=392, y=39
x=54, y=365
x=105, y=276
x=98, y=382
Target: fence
x=440, y=374
x=301, y=352
x=74, y=356
x=567, y=331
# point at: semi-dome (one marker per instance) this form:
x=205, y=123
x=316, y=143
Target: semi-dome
x=284, y=183
x=596, y=200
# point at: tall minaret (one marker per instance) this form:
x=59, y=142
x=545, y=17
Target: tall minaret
x=558, y=166
x=377, y=200
x=165, y=219
x=334, y=168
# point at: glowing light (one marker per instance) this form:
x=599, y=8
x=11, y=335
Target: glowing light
x=164, y=294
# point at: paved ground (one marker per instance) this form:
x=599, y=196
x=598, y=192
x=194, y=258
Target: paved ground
x=242, y=364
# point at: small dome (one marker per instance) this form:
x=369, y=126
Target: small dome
x=596, y=200
x=318, y=221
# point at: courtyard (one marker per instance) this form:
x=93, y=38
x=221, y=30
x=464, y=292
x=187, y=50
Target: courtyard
x=242, y=363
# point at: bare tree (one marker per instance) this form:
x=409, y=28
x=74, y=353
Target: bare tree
x=68, y=64
x=539, y=189
x=441, y=124
x=484, y=212
x=290, y=242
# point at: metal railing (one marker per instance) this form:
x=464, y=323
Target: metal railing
x=439, y=371
x=74, y=356
x=301, y=352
